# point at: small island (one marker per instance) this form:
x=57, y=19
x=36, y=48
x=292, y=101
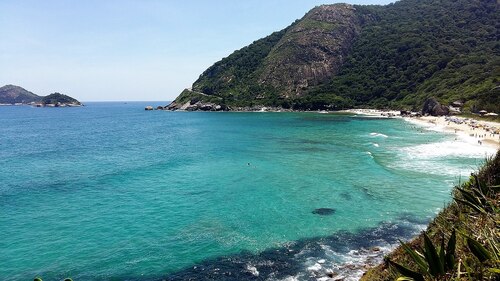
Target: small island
x=15, y=95
x=59, y=100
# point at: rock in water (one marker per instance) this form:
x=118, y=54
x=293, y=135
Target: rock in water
x=324, y=211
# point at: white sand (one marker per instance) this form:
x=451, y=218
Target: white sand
x=482, y=133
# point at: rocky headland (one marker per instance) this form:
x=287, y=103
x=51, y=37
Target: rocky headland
x=342, y=56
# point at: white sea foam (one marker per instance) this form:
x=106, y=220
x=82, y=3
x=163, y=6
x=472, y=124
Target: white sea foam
x=252, y=269
x=375, y=144
x=459, y=148
x=426, y=157
x=378, y=135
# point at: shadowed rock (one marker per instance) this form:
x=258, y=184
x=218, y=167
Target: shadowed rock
x=324, y=211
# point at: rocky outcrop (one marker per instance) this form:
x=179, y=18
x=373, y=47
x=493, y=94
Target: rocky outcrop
x=434, y=108
x=311, y=51
x=196, y=106
x=190, y=100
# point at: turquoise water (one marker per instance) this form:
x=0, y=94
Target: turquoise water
x=112, y=192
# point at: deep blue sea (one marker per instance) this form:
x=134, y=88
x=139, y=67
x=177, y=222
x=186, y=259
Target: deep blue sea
x=112, y=192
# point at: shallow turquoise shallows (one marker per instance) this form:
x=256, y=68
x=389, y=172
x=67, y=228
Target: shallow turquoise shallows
x=112, y=192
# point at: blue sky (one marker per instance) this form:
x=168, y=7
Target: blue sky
x=130, y=50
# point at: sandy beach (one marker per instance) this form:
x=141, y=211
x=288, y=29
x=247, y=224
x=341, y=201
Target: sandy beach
x=482, y=133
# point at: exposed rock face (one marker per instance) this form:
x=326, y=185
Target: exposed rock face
x=196, y=106
x=195, y=101
x=311, y=51
x=434, y=108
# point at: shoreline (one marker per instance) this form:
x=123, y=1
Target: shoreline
x=485, y=133
x=481, y=133
x=473, y=131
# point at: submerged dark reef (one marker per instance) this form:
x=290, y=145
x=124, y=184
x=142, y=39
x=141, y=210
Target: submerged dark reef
x=293, y=258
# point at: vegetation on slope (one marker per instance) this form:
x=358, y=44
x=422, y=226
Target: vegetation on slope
x=10, y=94
x=56, y=98
x=343, y=56
x=421, y=48
x=234, y=77
x=273, y=71
x=471, y=223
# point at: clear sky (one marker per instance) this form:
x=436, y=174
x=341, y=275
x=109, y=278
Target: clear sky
x=104, y=50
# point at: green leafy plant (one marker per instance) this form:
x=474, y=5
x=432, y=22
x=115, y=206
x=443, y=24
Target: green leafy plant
x=433, y=262
x=477, y=197
x=488, y=259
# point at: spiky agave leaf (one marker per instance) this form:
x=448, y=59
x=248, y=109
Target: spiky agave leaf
x=450, y=251
x=481, y=253
x=415, y=256
x=473, y=206
x=469, y=197
x=442, y=254
x=407, y=272
x=436, y=268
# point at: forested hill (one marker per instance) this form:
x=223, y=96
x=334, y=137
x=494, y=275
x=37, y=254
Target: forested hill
x=341, y=56
x=11, y=94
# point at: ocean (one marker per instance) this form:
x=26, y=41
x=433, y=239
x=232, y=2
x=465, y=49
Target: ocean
x=112, y=192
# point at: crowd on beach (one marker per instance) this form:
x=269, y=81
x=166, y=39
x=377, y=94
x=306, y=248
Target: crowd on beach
x=484, y=132
x=477, y=129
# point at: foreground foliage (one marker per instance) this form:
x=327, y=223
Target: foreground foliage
x=471, y=225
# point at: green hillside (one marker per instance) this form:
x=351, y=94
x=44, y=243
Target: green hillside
x=56, y=98
x=10, y=94
x=421, y=48
x=341, y=56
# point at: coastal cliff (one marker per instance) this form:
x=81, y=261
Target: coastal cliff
x=343, y=56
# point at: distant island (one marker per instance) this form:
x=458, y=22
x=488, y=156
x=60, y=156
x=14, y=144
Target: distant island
x=344, y=56
x=15, y=95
